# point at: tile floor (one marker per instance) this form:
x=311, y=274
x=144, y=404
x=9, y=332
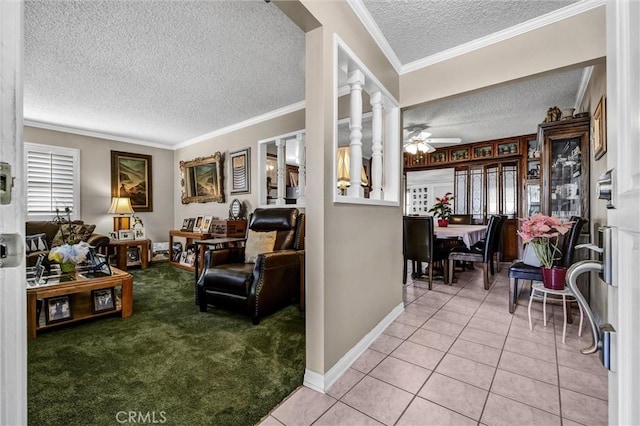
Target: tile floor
x=456, y=356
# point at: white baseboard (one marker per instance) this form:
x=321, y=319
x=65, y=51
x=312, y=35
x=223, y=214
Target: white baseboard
x=322, y=383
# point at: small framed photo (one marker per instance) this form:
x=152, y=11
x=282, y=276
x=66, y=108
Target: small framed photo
x=198, y=225
x=185, y=225
x=113, y=235
x=240, y=171
x=58, y=309
x=206, y=223
x=99, y=264
x=103, y=300
x=125, y=234
x=133, y=255
x=599, y=129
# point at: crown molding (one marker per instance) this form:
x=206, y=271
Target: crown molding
x=92, y=134
x=250, y=122
x=369, y=23
x=530, y=25
x=582, y=89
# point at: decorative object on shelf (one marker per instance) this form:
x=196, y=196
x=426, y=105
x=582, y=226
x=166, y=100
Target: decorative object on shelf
x=202, y=179
x=206, y=224
x=236, y=210
x=69, y=255
x=198, y=225
x=542, y=233
x=138, y=228
x=133, y=256
x=103, y=300
x=58, y=309
x=567, y=113
x=241, y=171
x=553, y=114
x=131, y=177
x=599, y=129
x=442, y=209
x=121, y=206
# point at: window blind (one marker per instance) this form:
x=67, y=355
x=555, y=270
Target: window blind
x=52, y=179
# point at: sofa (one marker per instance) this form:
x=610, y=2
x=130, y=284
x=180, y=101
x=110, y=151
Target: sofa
x=41, y=236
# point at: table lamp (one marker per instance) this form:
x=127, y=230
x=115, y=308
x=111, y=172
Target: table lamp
x=344, y=161
x=121, y=206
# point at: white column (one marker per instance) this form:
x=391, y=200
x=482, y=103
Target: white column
x=376, y=157
x=282, y=166
x=356, y=81
x=302, y=168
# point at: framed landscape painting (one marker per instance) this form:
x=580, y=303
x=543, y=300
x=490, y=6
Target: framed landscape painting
x=240, y=169
x=131, y=177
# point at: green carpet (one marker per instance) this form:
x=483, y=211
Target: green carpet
x=168, y=360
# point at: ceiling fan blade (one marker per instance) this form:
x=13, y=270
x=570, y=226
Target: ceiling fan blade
x=443, y=140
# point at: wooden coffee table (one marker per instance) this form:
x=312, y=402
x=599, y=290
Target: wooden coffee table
x=79, y=288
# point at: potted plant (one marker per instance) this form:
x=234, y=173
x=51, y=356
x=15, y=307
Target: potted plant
x=542, y=233
x=442, y=209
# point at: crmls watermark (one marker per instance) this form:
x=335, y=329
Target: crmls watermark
x=148, y=417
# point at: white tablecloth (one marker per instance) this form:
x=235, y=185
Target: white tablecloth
x=469, y=234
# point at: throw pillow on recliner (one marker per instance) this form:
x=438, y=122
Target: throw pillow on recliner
x=80, y=232
x=37, y=242
x=257, y=243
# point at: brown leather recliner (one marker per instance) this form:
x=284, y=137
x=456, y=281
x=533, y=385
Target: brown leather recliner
x=260, y=288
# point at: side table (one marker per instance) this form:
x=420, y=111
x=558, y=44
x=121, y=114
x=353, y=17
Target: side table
x=121, y=247
x=567, y=296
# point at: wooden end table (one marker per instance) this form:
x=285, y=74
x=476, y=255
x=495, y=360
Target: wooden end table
x=121, y=247
x=79, y=288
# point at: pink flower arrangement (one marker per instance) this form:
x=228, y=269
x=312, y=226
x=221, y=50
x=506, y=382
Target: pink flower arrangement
x=442, y=208
x=543, y=232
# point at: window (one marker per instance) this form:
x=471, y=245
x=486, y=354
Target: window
x=52, y=176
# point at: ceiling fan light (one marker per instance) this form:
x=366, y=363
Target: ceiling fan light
x=430, y=149
x=422, y=147
x=412, y=148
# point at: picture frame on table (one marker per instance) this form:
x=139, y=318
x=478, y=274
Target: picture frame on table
x=103, y=300
x=599, y=129
x=198, y=224
x=58, y=309
x=241, y=171
x=133, y=256
x=113, y=235
x=125, y=234
x=99, y=264
x=131, y=177
x=206, y=224
x=185, y=225
x=188, y=256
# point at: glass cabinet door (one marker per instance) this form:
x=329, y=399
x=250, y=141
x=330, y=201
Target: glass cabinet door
x=566, y=178
x=532, y=199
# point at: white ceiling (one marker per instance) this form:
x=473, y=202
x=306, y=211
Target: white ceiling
x=170, y=72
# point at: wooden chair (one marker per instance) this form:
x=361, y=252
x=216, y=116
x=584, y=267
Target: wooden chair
x=418, y=246
x=460, y=219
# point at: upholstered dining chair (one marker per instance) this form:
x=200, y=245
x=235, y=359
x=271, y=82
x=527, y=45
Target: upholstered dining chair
x=418, y=245
x=483, y=254
x=521, y=271
x=497, y=246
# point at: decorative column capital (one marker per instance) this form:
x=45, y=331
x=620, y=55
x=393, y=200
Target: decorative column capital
x=356, y=79
x=375, y=99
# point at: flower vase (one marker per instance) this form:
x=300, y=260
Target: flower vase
x=443, y=223
x=553, y=278
x=67, y=267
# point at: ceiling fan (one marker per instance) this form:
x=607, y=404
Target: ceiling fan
x=419, y=139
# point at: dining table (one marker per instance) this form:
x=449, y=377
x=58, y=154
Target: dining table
x=469, y=234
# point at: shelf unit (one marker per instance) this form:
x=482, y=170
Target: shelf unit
x=190, y=237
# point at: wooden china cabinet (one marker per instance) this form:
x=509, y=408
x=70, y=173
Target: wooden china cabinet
x=556, y=167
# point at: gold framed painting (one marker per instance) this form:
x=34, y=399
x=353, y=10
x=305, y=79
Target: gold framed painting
x=599, y=129
x=131, y=177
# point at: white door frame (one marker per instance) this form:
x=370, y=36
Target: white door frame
x=13, y=305
x=623, y=135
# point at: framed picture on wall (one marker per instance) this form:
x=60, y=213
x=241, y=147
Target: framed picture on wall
x=131, y=177
x=599, y=130
x=241, y=171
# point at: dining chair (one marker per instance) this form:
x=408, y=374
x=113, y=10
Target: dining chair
x=497, y=245
x=521, y=271
x=418, y=245
x=483, y=254
x=460, y=219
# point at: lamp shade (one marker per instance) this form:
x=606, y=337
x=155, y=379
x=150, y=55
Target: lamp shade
x=344, y=177
x=120, y=205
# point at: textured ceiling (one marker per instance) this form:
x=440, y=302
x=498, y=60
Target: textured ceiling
x=510, y=109
x=419, y=28
x=159, y=71
x=167, y=72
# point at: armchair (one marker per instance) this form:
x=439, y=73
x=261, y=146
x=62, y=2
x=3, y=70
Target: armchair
x=260, y=288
